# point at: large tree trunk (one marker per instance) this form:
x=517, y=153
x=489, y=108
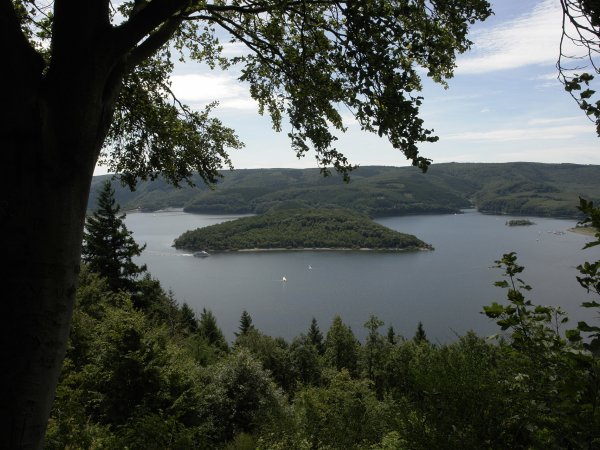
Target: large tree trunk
x=54, y=117
x=43, y=233
x=50, y=144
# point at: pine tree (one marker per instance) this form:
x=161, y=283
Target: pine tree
x=391, y=335
x=315, y=336
x=108, y=246
x=420, y=336
x=245, y=324
x=208, y=328
x=341, y=347
x=187, y=319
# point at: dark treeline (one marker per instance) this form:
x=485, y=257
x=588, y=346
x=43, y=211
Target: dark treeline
x=143, y=372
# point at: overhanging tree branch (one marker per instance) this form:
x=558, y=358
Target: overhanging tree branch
x=145, y=21
x=265, y=8
x=154, y=41
x=581, y=32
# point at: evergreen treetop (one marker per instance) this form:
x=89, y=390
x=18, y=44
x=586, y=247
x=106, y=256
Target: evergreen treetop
x=315, y=336
x=245, y=324
x=108, y=246
x=420, y=335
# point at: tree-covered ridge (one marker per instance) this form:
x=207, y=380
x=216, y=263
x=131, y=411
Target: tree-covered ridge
x=501, y=188
x=298, y=229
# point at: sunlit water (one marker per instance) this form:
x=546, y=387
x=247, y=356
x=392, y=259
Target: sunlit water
x=445, y=288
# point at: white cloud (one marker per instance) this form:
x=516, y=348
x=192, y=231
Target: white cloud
x=553, y=120
x=205, y=88
x=523, y=134
x=551, y=76
x=231, y=49
x=245, y=103
x=532, y=38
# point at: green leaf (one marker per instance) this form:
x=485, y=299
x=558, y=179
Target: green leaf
x=582, y=326
x=573, y=335
x=494, y=310
x=592, y=304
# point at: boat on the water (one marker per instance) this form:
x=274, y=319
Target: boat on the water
x=201, y=254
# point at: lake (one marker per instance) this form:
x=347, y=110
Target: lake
x=445, y=288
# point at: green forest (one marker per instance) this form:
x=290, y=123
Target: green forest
x=299, y=229
x=144, y=372
x=533, y=189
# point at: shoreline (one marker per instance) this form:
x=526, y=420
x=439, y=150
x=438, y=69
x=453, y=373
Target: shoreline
x=319, y=249
x=586, y=231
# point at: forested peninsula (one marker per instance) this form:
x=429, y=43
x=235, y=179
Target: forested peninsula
x=299, y=229
x=531, y=189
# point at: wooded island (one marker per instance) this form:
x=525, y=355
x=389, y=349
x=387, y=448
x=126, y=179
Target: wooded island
x=299, y=229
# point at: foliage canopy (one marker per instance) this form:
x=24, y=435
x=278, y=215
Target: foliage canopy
x=303, y=59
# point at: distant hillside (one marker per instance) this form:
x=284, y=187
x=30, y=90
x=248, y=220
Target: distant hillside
x=299, y=229
x=509, y=188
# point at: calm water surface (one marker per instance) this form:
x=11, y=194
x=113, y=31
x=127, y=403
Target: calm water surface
x=445, y=288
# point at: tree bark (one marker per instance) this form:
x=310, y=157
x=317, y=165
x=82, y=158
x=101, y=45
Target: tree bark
x=54, y=117
x=42, y=227
x=50, y=144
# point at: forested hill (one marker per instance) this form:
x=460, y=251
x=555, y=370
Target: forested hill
x=510, y=188
x=299, y=229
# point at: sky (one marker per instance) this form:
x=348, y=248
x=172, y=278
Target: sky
x=504, y=103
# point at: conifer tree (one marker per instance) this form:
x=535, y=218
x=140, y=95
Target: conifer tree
x=108, y=246
x=391, y=335
x=245, y=324
x=187, y=319
x=208, y=328
x=341, y=347
x=315, y=336
x=420, y=335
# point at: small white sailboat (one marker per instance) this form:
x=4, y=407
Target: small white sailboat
x=309, y=267
x=284, y=279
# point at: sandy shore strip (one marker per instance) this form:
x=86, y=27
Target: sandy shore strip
x=328, y=249
x=587, y=231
